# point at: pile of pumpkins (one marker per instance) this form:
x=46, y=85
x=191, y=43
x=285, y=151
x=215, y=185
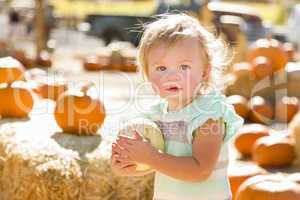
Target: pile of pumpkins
x=278, y=186
x=264, y=89
x=120, y=56
x=266, y=86
x=269, y=67
x=268, y=149
x=42, y=60
x=78, y=110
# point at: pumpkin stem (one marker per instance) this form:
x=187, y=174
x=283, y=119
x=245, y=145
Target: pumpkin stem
x=86, y=86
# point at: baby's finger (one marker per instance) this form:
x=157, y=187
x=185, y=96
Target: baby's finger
x=123, y=143
x=126, y=139
x=124, y=154
x=126, y=164
x=113, y=148
x=118, y=150
x=123, y=164
x=124, y=159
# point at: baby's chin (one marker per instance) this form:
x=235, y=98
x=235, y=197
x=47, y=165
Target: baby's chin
x=178, y=98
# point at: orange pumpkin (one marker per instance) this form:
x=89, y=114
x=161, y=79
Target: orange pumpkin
x=261, y=67
x=266, y=187
x=80, y=112
x=116, y=60
x=273, y=151
x=51, y=87
x=10, y=70
x=261, y=110
x=271, y=49
x=91, y=63
x=104, y=58
x=286, y=108
x=44, y=59
x=240, y=104
x=17, y=100
x=129, y=60
x=247, y=135
x=239, y=174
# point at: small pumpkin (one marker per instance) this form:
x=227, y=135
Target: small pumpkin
x=51, y=87
x=129, y=60
x=261, y=110
x=17, y=100
x=11, y=70
x=271, y=49
x=91, y=63
x=240, y=173
x=240, y=104
x=266, y=187
x=273, y=151
x=247, y=135
x=261, y=67
x=79, y=112
x=104, y=57
x=116, y=60
x=286, y=108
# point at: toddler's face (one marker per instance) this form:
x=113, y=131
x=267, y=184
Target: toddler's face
x=176, y=71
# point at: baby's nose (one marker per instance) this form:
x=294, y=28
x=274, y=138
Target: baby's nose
x=173, y=76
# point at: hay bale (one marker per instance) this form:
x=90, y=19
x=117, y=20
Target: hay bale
x=62, y=167
x=135, y=188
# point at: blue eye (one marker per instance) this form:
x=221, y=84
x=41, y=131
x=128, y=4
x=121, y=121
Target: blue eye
x=161, y=68
x=184, y=67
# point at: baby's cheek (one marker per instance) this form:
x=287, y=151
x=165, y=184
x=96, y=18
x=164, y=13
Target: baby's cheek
x=156, y=84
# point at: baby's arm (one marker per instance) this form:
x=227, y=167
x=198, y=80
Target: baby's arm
x=206, y=147
x=198, y=167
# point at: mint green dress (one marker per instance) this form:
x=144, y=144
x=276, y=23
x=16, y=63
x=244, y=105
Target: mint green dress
x=178, y=128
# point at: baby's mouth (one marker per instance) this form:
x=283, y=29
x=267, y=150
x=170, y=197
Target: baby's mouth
x=173, y=89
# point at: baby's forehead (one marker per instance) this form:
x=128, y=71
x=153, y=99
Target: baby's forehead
x=185, y=48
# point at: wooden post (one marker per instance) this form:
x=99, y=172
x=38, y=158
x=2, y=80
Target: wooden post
x=40, y=26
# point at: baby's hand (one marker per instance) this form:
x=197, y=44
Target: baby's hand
x=136, y=149
x=124, y=168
